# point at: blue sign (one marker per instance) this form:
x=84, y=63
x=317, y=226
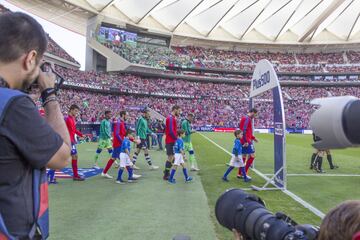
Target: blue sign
x=279, y=137
x=264, y=79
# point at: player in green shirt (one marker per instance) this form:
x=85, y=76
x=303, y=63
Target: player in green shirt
x=142, y=130
x=188, y=147
x=104, y=137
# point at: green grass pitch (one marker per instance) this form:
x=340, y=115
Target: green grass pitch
x=152, y=209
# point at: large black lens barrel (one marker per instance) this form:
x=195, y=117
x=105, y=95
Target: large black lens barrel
x=234, y=206
x=236, y=209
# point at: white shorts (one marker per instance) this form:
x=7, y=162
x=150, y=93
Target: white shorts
x=125, y=160
x=235, y=163
x=179, y=159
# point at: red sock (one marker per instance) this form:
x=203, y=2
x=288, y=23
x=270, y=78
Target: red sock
x=249, y=163
x=74, y=168
x=108, y=165
x=239, y=171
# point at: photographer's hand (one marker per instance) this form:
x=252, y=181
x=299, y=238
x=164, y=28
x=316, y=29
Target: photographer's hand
x=46, y=80
x=237, y=235
x=55, y=119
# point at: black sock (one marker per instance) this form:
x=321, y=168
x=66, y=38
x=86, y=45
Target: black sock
x=148, y=159
x=168, y=166
x=312, y=160
x=329, y=158
x=319, y=163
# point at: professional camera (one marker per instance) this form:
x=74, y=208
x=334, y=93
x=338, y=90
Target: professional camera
x=47, y=67
x=236, y=209
x=336, y=122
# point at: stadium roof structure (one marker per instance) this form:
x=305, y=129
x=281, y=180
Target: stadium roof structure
x=247, y=21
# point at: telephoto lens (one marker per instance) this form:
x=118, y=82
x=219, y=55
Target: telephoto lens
x=236, y=209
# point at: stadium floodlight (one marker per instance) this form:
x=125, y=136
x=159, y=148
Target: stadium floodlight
x=265, y=79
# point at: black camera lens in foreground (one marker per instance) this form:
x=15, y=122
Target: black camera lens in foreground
x=236, y=209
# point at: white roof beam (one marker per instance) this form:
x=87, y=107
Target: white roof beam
x=149, y=12
x=325, y=14
x=209, y=8
x=186, y=16
x=108, y=5
x=347, y=6
x=84, y=5
x=352, y=27
x=287, y=21
x=222, y=17
x=252, y=23
x=247, y=7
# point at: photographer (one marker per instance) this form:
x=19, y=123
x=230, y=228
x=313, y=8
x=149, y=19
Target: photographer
x=29, y=143
x=342, y=222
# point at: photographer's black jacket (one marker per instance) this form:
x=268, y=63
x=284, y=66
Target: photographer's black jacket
x=27, y=142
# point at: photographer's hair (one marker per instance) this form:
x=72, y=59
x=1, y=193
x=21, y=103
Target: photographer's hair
x=19, y=34
x=342, y=222
x=122, y=113
x=74, y=106
x=175, y=107
x=253, y=110
x=180, y=132
x=107, y=112
x=237, y=132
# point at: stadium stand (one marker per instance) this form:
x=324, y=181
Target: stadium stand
x=190, y=56
x=55, y=49
x=210, y=102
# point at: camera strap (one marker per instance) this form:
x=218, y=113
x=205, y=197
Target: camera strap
x=46, y=93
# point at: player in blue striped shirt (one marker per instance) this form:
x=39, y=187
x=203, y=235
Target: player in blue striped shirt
x=179, y=158
x=236, y=160
x=125, y=161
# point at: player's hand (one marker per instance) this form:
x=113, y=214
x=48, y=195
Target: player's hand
x=246, y=144
x=46, y=80
x=255, y=140
x=137, y=141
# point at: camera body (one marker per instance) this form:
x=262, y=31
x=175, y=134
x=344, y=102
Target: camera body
x=236, y=209
x=47, y=67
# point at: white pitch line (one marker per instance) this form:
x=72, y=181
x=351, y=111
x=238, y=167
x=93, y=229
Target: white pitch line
x=317, y=175
x=298, y=199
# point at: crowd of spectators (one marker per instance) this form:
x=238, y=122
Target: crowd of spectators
x=151, y=55
x=136, y=84
x=207, y=111
x=55, y=49
x=212, y=103
x=190, y=56
x=353, y=57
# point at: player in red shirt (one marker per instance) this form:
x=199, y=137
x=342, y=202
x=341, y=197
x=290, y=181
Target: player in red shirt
x=170, y=138
x=71, y=125
x=248, y=149
x=118, y=137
